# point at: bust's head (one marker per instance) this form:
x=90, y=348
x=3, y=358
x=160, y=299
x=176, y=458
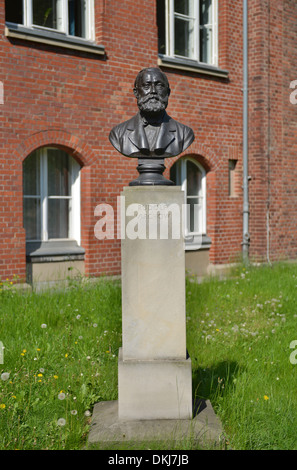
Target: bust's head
x=151, y=89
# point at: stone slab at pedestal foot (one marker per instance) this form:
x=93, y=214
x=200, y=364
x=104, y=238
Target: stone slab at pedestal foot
x=204, y=430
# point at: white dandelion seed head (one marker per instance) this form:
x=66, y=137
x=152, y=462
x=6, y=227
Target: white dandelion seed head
x=61, y=422
x=44, y=325
x=5, y=376
x=61, y=396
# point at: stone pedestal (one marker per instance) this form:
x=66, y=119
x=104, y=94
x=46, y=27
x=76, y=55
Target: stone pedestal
x=155, y=378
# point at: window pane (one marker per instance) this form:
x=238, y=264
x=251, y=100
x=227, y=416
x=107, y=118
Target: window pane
x=161, y=26
x=205, y=12
x=193, y=214
x=58, y=173
x=31, y=175
x=184, y=7
x=184, y=38
x=32, y=223
x=193, y=179
x=58, y=218
x=47, y=13
x=14, y=11
x=77, y=18
x=206, y=45
x=173, y=173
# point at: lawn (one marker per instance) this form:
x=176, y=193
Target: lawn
x=61, y=350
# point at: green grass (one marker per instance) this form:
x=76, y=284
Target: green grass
x=239, y=336
x=239, y=333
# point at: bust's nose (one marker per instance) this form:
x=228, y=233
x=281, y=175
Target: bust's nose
x=153, y=88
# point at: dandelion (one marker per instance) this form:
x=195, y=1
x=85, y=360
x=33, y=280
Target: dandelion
x=2, y=406
x=56, y=377
x=61, y=396
x=266, y=397
x=5, y=376
x=87, y=413
x=44, y=325
x=95, y=325
x=66, y=355
x=61, y=422
x=73, y=412
x=39, y=375
x=41, y=370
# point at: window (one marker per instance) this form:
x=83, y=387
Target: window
x=191, y=176
x=69, y=17
x=232, y=177
x=51, y=187
x=188, y=29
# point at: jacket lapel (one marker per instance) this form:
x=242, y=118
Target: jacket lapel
x=137, y=134
x=166, y=135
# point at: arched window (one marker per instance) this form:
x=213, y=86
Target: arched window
x=51, y=196
x=191, y=176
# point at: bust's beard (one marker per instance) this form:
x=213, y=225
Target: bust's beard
x=152, y=107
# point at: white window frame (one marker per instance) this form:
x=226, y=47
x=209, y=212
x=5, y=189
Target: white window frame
x=170, y=16
x=74, y=198
x=192, y=239
x=63, y=26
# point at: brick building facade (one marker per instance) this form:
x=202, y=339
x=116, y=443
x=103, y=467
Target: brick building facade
x=63, y=89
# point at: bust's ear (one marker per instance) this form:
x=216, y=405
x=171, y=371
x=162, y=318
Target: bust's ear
x=135, y=91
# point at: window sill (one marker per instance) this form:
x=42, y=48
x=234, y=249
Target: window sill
x=189, y=65
x=198, y=243
x=52, y=38
x=60, y=250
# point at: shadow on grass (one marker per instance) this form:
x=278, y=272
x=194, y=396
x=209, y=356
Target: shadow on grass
x=211, y=383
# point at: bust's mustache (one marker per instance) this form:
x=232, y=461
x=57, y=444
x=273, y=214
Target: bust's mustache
x=152, y=101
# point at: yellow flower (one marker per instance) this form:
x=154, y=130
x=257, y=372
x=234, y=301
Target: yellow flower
x=22, y=354
x=39, y=375
x=56, y=377
x=266, y=397
x=66, y=355
x=37, y=349
x=24, y=350
x=2, y=406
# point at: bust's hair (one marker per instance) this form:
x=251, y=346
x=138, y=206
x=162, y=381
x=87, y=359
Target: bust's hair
x=143, y=71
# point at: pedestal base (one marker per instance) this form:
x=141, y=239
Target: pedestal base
x=204, y=430
x=155, y=389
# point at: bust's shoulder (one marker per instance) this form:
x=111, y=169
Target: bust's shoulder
x=123, y=126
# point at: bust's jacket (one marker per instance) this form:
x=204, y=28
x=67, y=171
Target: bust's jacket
x=129, y=138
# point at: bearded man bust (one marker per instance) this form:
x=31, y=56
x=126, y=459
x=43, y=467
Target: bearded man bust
x=151, y=134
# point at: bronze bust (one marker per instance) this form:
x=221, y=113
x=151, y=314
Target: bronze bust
x=151, y=135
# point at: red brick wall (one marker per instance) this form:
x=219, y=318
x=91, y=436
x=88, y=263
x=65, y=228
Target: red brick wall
x=272, y=130
x=72, y=100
